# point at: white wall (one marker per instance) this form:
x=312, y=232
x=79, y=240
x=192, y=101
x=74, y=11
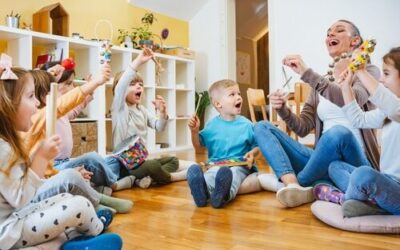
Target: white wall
x=212, y=35
x=299, y=27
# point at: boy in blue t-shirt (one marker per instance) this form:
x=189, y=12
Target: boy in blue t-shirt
x=227, y=136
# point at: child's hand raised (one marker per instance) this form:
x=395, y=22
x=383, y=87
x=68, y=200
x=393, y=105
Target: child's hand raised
x=56, y=71
x=159, y=104
x=194, y=123
x=142, y=58
x=49, y=148
x=345, y=79
x=104, y=76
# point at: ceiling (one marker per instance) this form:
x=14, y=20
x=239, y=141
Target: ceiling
x=251, y=15
x=180, y=9
x=251, y=18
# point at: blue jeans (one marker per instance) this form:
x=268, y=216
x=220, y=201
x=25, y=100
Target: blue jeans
x=93, y=162
x=366, y=183
x=238, y=175
x=67, y=181
x=287, y=156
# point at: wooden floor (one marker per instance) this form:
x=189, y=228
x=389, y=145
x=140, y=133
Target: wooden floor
x=166, y=218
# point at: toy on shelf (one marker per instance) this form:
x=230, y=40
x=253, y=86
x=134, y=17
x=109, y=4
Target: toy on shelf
x=105, y=49
x=105, y=52
x=227, y=163
x=68, y=64
x=362, y=55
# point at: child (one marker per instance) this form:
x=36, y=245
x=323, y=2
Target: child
x=67, y=102
x=100, y=175
x=22, y=223
x=130, y=118
x=365, y=183
x=227, y=136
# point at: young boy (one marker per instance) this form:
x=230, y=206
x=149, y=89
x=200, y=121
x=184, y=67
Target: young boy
x=227, y=136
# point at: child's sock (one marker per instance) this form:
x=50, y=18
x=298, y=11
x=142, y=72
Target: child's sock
x=121, y=205
x=144, y=182
x=327, y=192
x=124, y=183
x=104, y=190
x=355, y=208
x=179, y=176
x=270, y=182
x=99, y=207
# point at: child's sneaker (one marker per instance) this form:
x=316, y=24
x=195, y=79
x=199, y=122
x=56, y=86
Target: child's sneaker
x=354, y=208
x=327, y=192
x=223, y=182
x=108, y=241
x=294, y=195
x=197, y=185
x=106, y=216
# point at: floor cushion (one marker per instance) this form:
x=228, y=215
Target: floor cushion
x=331, y=214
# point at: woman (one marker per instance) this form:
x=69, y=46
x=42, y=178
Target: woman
x=297, y=166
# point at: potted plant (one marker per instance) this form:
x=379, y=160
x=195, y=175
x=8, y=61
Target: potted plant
x=126, y=38
x=140, y=36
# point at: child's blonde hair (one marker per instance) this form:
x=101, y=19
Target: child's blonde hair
x=10, y=99
x=117, y=77
x=42, y=80
x=215, y=89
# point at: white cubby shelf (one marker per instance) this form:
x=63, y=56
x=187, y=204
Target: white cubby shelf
x=176, y=83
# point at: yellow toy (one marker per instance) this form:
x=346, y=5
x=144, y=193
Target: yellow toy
x=363, y=55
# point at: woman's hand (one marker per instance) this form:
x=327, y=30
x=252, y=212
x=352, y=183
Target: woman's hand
x=296, y=63
x=277, y=99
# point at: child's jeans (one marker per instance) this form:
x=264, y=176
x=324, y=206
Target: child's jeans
x=287, y=156
x=93, y=162
x=364, y=183
x=67, y=181
x=238, y=175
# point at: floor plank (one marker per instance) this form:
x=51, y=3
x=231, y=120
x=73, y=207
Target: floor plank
x=166, y=218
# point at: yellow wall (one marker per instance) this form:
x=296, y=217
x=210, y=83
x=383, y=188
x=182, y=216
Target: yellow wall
x=83, y=15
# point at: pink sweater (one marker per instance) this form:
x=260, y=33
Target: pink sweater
x=64, y=129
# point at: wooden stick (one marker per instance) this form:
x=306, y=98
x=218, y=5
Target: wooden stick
x=51, y=118
x=51, y=110
x=198, y=102
x=158, y=65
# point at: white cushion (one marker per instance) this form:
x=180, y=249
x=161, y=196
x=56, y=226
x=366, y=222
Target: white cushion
x=332, y=215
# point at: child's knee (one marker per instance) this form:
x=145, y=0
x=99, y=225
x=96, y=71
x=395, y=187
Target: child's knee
x=364, y=176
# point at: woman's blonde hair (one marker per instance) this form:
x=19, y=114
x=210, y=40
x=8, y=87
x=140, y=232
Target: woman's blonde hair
x=42, y=80
x=10, y=99
x=117, y=77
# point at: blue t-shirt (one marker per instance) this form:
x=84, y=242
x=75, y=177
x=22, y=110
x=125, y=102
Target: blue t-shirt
x=228, y=139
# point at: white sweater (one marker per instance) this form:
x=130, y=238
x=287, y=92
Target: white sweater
x=388, y=106
x=16, y=191
x=130, y=120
